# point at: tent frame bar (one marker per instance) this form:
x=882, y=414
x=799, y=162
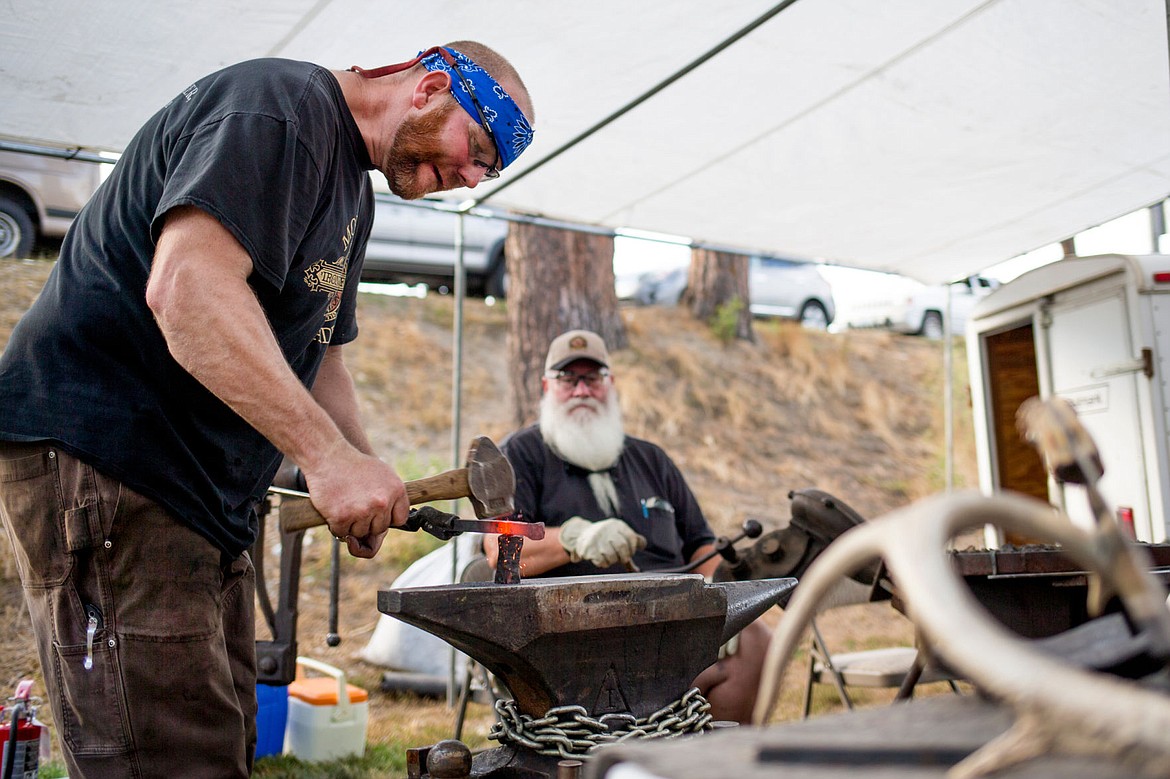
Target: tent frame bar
x=76, y=153
x=724, y=44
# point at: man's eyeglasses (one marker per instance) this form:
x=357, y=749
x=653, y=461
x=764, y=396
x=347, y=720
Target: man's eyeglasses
x=569, y=380
x=490, y=171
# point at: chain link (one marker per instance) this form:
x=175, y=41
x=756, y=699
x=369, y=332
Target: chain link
x=569, y=731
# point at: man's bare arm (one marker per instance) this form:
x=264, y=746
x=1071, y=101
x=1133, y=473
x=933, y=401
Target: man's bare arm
x=334, y=391
x=215, y=329
x=707, y=568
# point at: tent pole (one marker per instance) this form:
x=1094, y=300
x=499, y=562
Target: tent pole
x=949, y=395
x=75, y=153
x=456, y=411
x=1157, y=226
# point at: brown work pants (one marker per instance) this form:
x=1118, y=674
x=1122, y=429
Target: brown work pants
x=145, y=630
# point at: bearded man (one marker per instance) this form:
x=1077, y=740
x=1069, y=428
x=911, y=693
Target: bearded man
x=611, y=502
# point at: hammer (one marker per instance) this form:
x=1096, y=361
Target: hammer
x=487, y=479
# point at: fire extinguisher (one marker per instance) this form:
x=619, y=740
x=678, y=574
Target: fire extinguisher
x=20, y=734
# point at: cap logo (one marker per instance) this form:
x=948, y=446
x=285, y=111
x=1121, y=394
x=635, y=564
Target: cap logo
x=577, y=342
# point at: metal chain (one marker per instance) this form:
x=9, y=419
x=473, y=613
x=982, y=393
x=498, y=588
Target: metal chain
x=569, y=731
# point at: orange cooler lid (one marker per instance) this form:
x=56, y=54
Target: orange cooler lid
x=322, y=691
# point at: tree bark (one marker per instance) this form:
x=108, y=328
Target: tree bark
x=558, y=280
x=718, y=279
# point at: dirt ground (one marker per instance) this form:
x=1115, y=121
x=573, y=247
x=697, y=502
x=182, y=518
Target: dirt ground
x=858, y=414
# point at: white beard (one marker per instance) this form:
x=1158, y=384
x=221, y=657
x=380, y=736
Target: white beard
x=589, y=439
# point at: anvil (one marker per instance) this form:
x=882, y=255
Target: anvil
x=613, y=643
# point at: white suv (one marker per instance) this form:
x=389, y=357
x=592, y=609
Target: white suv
x=922, y=311
x=791, y=289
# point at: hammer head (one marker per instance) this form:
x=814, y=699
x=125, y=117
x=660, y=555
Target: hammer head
x=490, y=479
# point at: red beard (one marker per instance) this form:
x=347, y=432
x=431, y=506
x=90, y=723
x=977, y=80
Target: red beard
x=416, y=144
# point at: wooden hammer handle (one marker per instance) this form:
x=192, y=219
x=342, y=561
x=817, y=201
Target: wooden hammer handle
x=449, y=485
x=300, y=514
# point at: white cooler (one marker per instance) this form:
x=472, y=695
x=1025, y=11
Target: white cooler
x=326, y=717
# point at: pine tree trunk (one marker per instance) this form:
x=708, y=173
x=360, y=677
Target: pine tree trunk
x=717, y=280
x=558, y=280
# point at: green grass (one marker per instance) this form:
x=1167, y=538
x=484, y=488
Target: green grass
x=410, y=466
x=385, y=759
x=379, y=760
x=725, y=323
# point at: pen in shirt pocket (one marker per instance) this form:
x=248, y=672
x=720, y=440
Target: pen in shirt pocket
x=655, y=503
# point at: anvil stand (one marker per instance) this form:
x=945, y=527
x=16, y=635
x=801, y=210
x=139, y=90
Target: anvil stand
x=276, y=658
x=615, y=643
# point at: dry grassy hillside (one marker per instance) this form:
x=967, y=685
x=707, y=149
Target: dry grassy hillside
x=857, y=414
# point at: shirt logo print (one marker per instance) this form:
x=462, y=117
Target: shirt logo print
x=328, y=276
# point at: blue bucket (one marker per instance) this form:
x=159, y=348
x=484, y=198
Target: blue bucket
x=271, y=719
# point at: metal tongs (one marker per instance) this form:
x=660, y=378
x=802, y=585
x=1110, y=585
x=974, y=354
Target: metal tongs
x=443, y=525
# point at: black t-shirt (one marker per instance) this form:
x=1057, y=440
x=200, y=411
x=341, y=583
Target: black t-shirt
x=270, y=149
x=655, y=499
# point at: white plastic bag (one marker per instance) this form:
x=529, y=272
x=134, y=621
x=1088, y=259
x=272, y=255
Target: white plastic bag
x=402, y=647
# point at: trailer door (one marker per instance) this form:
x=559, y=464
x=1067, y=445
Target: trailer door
x=1093, y=366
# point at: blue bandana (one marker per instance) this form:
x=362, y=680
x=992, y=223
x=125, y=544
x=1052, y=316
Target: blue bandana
x=506, y=123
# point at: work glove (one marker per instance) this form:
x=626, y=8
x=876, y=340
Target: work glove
x=603, y=543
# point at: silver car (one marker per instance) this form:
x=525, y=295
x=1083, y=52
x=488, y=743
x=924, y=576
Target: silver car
x=39, y=197
x=414, y=245
x=779, y=288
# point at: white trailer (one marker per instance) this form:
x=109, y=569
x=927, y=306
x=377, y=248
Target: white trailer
x=1096, y=331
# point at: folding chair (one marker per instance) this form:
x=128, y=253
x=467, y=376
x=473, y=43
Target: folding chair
x=901, y=667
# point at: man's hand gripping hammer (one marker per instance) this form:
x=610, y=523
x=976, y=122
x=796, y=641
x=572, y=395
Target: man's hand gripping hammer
x=487, y=480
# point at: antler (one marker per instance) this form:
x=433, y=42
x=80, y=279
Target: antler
x=1059, y=708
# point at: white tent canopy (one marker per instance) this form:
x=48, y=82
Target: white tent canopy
x=928, y=137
